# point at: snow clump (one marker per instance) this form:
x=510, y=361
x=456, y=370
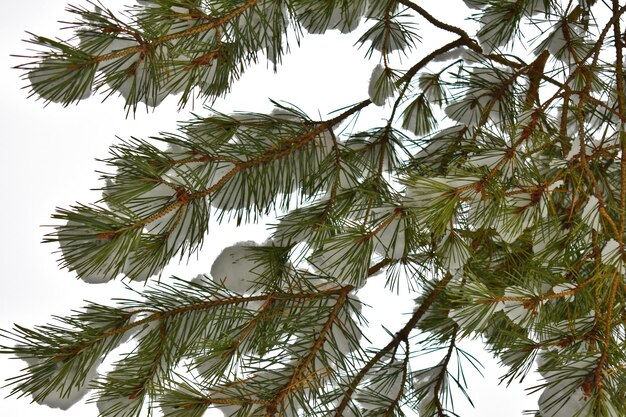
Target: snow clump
x=424, y=383
x=389, y=242
x=383, y=385
x=565, y=287
x=484, y=92
x=557, y=41
x=48, y=79
x=518, y=311
x=345, y=16
x=234, y=269
x=564, y=395
x=380, y=87
x=340, y=260
x=67, y=394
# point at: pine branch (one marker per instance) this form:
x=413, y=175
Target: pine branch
x=149, y=44
x=298, y=375
x=270, y=155
x=156, y=314
x=397, y=339
x=523, y=199
x=176, y=217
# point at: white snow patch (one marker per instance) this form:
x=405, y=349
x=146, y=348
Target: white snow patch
x=378, y=93
x=390, y=242
x=66, y=395
x=49, y=76
x=561, y=288
x=515, y=310
x=338, y=261
x=69, y=240
x=558, y=399
x=610, y=251
x=556, y=42
x=233, y=268
x=385, y=382
x=345, y=17
x=425, y=380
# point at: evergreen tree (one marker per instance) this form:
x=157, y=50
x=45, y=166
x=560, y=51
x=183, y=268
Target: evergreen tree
x=507, y=221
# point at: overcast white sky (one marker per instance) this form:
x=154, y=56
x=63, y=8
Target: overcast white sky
x=47, y=160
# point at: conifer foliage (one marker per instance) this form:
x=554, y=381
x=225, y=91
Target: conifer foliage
x=495, y=191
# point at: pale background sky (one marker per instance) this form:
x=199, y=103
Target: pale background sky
x=47, y=161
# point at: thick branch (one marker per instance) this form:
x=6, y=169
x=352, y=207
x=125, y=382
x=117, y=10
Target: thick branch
x=434, y=21
x=424, y=61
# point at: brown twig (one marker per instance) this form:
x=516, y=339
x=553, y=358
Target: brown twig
x=213, y=24
x=395, y=341
x=296, y=378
